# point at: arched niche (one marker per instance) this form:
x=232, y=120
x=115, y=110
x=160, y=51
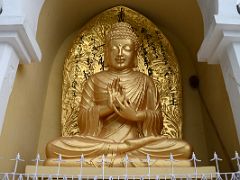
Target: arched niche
x=61, y=28
x=56, y=22
x=180, y=21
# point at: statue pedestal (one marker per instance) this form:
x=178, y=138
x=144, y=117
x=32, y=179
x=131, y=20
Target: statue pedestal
x=91, y=172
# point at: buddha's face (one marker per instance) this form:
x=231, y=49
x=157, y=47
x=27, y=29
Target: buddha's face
x=121, y=54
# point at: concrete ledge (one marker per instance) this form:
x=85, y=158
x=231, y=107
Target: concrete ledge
x=179, y=172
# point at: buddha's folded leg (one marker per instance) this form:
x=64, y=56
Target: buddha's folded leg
x=72, y=147
x=159, y=149
x=162, y=147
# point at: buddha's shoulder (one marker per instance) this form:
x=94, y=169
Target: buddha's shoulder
x=143, y=75
x=98, y=75
x=138, y=73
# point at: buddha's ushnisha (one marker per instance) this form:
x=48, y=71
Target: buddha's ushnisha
x=120, y=113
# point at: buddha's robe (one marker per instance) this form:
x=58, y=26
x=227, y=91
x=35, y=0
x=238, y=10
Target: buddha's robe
x=113, y=135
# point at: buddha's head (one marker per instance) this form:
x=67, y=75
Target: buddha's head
x=121, y=47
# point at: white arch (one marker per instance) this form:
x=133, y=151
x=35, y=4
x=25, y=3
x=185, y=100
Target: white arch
x=32, y=11
x=208, y=9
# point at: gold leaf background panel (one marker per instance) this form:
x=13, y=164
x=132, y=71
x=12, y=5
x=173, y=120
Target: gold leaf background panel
x=156, y=58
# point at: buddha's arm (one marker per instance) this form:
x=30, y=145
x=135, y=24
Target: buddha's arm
x=127, y=111
x=104, y=110
x=114, y=89
x=153, y=123
x=150, y=110
x=152, y=97
x=88, y=118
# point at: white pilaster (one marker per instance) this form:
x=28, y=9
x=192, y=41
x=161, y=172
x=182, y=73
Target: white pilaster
x=221, y=45
x=230, y=66
x=221, y=33
x=8, y=63
x=18, y=44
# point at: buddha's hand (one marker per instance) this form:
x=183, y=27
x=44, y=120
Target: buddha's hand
x=115, y=90
x=126, y=110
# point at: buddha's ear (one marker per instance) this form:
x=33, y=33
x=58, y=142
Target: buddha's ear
x=136, y=61
x=106, y=57
x=136, y=58
x=135, y=65
x=137, y=51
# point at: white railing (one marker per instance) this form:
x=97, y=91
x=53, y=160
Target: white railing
x=219, y=176
x=196, y=175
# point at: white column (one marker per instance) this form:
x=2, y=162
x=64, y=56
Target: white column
x=230, y=66
x=8, y=63
x=18, y=44
x=221, y=45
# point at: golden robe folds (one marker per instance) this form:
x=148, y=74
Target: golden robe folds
x=113, y=135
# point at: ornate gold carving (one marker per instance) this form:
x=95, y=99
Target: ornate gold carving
x=155, y=58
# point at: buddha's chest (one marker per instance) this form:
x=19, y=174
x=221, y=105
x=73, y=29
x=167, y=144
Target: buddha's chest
x=133, y=87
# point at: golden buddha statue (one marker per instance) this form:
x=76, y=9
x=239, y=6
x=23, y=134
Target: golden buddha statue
x=120, y=113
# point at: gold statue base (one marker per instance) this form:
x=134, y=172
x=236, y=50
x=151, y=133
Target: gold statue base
x=162, y=172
